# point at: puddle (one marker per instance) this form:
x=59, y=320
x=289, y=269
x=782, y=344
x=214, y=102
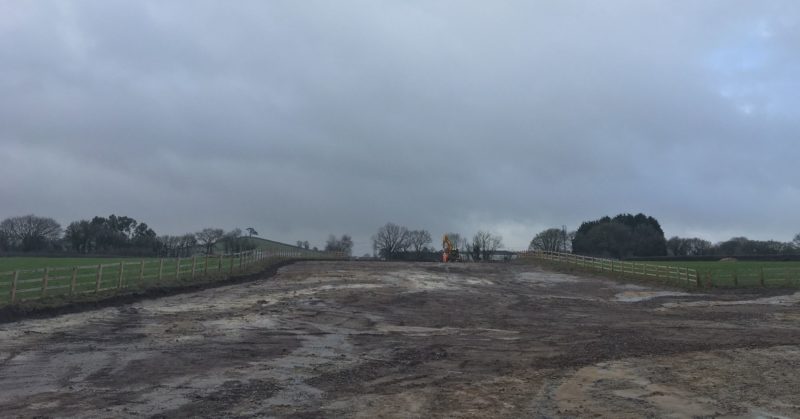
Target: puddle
x=618, y=384
x=545, y=278
x=429, y=331
x=780, y=300
x=636, y=296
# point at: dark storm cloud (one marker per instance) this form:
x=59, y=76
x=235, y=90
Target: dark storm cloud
x=308, y=118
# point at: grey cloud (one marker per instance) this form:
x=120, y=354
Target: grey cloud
x=309, y=118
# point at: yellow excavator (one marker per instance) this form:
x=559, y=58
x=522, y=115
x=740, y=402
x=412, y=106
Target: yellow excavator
x=450, y=252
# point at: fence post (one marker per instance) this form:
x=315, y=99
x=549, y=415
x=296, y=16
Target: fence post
x=44, y=281
x=14, y=287
x=99, y=278
x=194, y=265
x=736, y=277
x=241, y=260
x=178, y=268
x=160, y=268
x=74, y=280
x=231, y=271
x=141, y=272
x=119, y=279
x=219, y=264
x=205, y=266
x=761, y=278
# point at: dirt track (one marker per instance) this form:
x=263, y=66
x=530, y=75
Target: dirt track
x=341, y=339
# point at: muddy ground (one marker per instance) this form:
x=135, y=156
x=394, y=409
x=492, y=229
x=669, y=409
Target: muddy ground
x=349, y=339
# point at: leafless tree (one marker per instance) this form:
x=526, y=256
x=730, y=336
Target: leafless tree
x=30, y=232
x=678, y=246
x=169, y=245
x=343, y=245
x=485, y=244
x=390, y=240
x=232, y=240
x=550, y=240
x=209, y=237
x=418, y=239
x=460, y=243
x=186, y=243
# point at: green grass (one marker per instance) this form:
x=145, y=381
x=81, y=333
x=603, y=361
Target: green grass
x=89, y=277
x=743, y=273
x=14, y=263
x=43, y=277
x=269, y=245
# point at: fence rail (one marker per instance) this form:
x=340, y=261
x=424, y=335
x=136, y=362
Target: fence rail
x=671, y=274
x=32, y=284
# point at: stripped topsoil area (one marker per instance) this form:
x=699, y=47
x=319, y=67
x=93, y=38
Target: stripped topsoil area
x=350, y=339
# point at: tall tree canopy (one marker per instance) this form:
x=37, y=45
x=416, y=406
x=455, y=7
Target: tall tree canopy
x=622, y=236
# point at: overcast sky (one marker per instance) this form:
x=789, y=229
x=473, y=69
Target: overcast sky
x=304, y=118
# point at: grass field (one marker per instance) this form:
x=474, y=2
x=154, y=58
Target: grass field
x=47, y=277
x=743, y=273
x=268, y=245
x=38, y=277
x=14, y=263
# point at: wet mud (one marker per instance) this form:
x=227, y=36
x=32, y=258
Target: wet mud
x=371, y=340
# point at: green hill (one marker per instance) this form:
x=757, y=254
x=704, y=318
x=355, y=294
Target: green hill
x=275, y=246
x=269, y=245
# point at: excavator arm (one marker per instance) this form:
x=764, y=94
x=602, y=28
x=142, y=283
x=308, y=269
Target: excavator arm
x=449, y=253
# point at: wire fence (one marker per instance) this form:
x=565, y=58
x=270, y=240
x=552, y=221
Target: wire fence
x=672, y=274
x=33, y=284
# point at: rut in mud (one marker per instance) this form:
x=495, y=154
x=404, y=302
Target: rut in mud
x=348, y=339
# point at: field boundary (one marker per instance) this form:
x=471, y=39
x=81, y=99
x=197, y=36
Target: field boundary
x=76, y=282
x=673, y=275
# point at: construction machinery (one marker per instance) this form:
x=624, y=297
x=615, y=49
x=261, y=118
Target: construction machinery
x=450, y=251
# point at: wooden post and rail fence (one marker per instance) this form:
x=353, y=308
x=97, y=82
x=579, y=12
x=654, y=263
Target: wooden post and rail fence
x=672, y=274
x=31, y=284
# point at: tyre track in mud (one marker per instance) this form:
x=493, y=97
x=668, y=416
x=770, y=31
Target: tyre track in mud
x=348, y=339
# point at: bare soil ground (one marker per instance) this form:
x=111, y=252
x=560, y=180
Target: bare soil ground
x=347, y=339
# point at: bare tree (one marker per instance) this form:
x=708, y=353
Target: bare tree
x=251, y=232
x=186, y=243
x=232, y=240
x=5, y=241
x=390, y=240
x=169, y=245
x=550, y=240
x=461, y=243
x=418, y=239
x=343, y=245
x=485, y=244
x=209, y=237
x=30, y=232
x=678, y=246
x=455, y=239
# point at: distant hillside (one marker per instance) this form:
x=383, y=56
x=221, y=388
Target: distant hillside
x=269, y=245
x=273, y=245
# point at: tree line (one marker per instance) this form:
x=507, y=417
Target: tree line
x=626, y=236
x=118, y=235
x=396, y=242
